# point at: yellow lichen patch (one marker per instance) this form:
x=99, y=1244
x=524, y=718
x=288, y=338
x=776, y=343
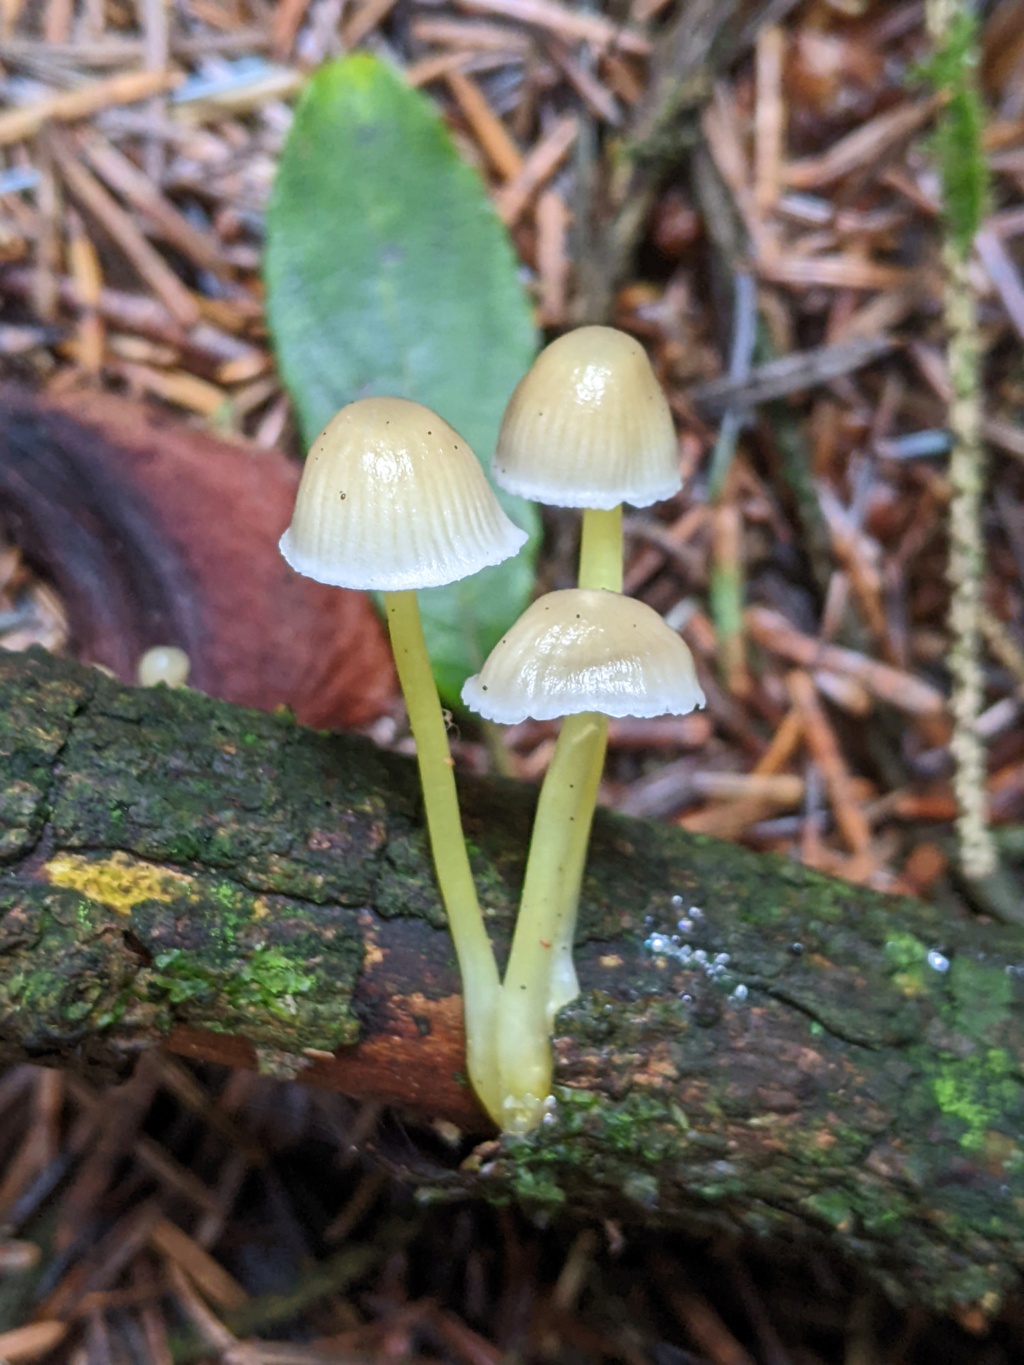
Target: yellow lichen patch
x=373, y=954
x=118, y=881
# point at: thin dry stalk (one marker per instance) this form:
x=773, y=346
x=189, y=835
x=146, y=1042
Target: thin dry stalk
x=824, y=748
x=91, y=195
x=565, y=22
x=18, y=124
x=537, y=169
x=966, y=565
x=494, y=138
x=892, y=685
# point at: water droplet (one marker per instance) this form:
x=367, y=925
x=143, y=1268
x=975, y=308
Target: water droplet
x=937, y=961
x=677, y=901
x=740, y=993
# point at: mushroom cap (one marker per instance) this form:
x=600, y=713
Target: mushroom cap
x=589, y=426
x=392, y=497
x=585, y=650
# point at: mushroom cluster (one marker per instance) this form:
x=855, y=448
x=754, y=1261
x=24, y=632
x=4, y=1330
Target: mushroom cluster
x=392, y=498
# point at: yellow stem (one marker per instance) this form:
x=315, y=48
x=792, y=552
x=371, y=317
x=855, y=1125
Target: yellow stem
x=480, y=985
x=565, y=985
x=540, y=977
x=497, y=750
x=601, y=556
x=601, y=549
x=547, y=912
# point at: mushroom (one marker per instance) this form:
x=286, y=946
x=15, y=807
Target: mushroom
x=167, y=664
x=393, y=499
x=586, y=655
x=589, y=426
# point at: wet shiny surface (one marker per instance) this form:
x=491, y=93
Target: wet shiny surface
x=589, y=426
x=577, y=650
x=391, y=498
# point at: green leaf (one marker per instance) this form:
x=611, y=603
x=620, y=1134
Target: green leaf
x=388, y=272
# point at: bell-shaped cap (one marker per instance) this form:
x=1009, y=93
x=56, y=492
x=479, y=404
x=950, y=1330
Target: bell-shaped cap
x=589, y=426
x=585, y=650
x=391, y=498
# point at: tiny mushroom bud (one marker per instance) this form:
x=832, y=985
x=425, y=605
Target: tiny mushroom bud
x=165, y=664
x=393, y=498
x=586, y=655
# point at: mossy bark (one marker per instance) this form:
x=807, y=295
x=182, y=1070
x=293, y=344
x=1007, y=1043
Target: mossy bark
x=757, y=1049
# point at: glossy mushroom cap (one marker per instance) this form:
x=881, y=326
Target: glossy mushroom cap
x=589, y=426
x=393, y=498
x=580, y=650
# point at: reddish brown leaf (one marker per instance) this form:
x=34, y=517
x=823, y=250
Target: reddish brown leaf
x=157, y=533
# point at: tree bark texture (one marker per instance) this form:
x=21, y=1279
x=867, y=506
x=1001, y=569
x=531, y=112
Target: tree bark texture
x=757, y=1049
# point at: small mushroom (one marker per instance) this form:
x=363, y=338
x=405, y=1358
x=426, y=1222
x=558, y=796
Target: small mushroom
x=585, y=655
x=392, y=498
x=167, y=664
x=589, y=426
x=585, y=650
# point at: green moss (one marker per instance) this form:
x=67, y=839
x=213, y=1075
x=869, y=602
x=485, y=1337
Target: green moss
x=66, y=973
x=635, y=1137
x=537, y=1187
x=37, y=712
x=907, y=957
x=960, y=130
x=982, y=994
x=832, y=1207
x=980, y=1096
x=226, y=894
x=189, y=783
x=251, y=966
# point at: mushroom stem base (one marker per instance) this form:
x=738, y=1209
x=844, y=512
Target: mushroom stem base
x=540, y=977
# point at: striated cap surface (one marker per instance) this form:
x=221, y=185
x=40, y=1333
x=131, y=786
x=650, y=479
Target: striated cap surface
x=393, y=498
x=584, y=650
x=589, y=426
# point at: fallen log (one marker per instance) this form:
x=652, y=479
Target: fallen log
x=757, y=1050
